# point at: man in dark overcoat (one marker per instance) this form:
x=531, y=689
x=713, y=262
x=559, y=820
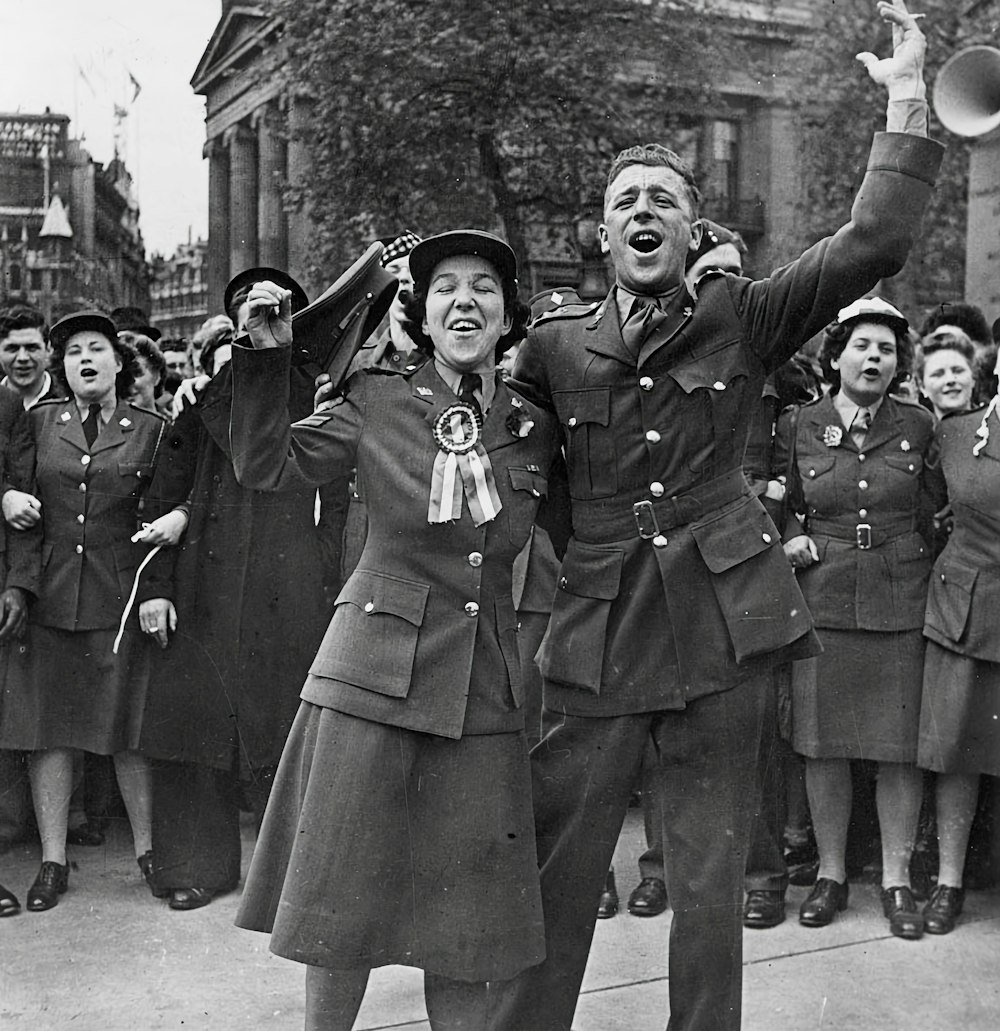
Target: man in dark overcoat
x=674, y=599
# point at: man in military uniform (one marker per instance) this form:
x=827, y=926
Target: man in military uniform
x=675, y=599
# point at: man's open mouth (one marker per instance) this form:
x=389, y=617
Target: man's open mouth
x=464, y=326
x=645, y=241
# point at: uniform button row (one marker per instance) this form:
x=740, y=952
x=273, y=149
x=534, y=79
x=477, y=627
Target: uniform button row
x=85, y=460
x=646, y=382
x=653, y=436
x=656, y=489
x=475, y=559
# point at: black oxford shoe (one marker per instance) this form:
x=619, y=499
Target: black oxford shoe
x=649, y=898
x=943, y=909
x=905, y=920
x=764, y=909
x=608, y=905
x=51, y=882
x=825, y=901
x=190, y=898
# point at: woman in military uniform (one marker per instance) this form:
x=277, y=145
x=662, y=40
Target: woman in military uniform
x=857, y=475
x=66, y=688
x=409, y=745
x=959, y=730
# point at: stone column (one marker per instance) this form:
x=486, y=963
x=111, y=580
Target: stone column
x=272, y=227
x=242, y=198
x=218, y=222
x=982, y=251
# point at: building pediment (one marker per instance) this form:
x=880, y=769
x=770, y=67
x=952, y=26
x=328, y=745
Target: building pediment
x=237, y=36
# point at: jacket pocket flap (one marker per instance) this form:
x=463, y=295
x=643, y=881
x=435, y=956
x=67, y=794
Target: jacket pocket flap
x=711, y=372
x=136, y=470
x=905, y=463
x=734, y=537
x=811, y=466
x=956, y=575
x=381, y=593
x=581, y=406
x=591, y=572
x=531, y=480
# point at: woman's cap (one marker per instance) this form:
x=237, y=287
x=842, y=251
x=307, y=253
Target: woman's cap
x=872, y=306
x=77, y=322
x=247, y=278
x=429, y=253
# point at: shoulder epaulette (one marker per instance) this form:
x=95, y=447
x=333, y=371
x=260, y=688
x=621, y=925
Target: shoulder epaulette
x=568, y=311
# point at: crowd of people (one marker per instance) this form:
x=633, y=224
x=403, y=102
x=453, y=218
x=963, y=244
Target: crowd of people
x=725, y=542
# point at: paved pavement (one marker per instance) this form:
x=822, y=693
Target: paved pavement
x=111, y=958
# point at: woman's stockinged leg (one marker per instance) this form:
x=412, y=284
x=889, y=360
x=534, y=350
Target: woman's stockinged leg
x=333, y=997
x=51, y=775
x=135, y=781
x=897, y=797
x=957, y=794
x=455, y=1005
x=828, y=782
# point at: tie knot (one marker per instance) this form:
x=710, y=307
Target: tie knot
x=94, y=412
x=863, y=419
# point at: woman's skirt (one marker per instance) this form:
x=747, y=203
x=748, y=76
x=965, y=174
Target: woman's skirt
x=67, y=689
x=387, y=846
x=959, y=714
x=860, y=699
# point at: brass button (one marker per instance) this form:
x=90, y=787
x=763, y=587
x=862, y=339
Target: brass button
x=812, y=472
x=646, y=382
x=369, y=606
x=718, y=385
x=85, y=460
x=861, y=458
x=475, y=559
x=766, y=538
x=79, y=549
x=83, y=487
x=862, y=513
x=471, y=608
x=571, y=421
x=653, y=436
x=656, y=489
x=862, y=484
x=659, y=541
x=80, y=518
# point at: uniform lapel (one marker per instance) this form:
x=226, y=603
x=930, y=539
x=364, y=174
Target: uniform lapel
x=113, y=433
x=506, y=408
x=604, y=335
x=886, y=426
x=71, y=425
x=678, y=312
x=823, y=415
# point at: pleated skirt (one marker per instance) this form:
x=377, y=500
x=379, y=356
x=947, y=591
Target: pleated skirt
x=860, y=699
x=67, y=689
x=387, y=846
x=959, y=714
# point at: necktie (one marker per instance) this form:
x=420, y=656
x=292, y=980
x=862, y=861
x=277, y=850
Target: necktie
x=467, y=387
x=92, y=424
x=859, y=426
x=645, y=317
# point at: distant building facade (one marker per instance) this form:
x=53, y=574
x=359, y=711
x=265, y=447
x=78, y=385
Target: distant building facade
x=179, y=290
x=745, y=151
x=69, y=226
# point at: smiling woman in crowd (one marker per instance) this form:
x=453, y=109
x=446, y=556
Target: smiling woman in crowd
x=413, y=707
x=946, y=370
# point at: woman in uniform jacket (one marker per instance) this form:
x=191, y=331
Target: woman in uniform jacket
x=959, y=732
x=66, y=687
x=857, y=474
x=400, y=828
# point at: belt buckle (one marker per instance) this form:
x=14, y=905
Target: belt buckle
x=863, y=533
x=645, y=520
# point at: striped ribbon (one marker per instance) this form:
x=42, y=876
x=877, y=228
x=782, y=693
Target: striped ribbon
x=456, y=472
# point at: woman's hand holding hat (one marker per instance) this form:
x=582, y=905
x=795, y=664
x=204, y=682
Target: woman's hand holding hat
x=270, y=320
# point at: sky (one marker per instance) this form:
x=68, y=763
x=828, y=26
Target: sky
x=85, y=58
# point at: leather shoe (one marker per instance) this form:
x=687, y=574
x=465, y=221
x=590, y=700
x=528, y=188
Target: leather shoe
x=905, y=920
x=943, y=909
x=649, y=898
x=88, y=834
x=824, y=902
x=9, y=904
x=608, y=905
x=145, y=862
x=51, y=882
x=190, y=898
x=764, y=909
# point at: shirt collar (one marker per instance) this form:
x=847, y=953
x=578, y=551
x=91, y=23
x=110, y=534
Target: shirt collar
x=30, y=402
x=848, y=410
x=453, y=378
x=626, y=301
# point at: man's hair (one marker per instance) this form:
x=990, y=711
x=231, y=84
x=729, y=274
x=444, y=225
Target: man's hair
x=656, y=155
x=173, y=344
x=21, y=316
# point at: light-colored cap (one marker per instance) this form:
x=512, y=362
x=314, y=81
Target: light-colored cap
x=871, y=306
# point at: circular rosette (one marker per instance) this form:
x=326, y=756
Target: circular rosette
x=457, y=429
